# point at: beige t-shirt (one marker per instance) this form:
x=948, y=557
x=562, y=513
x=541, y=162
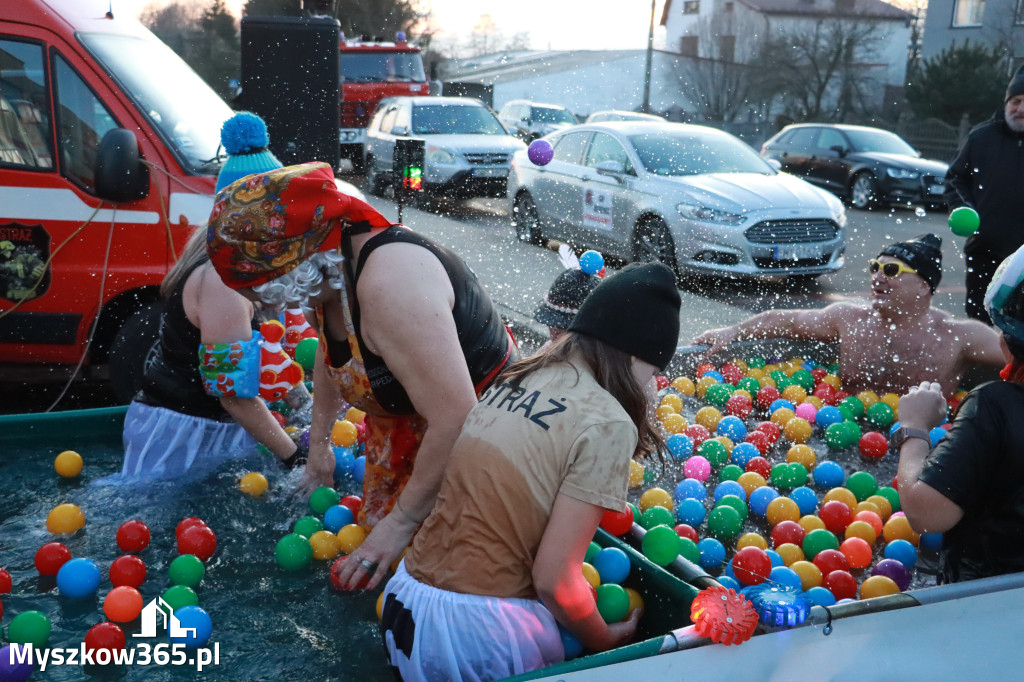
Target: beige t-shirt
x=518, y=450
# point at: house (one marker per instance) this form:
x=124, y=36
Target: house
x=995, y=22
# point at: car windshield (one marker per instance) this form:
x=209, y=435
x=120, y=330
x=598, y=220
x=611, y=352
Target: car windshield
x=549, y=115
x=382, y=67
x=178, y=103
x=664, y=153
x=458, y=119
x=879, y=141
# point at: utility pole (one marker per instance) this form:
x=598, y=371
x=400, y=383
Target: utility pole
x=646, y=108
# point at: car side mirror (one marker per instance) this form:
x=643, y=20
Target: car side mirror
x=839, y=149
x=612, y=169
x=401, y=131
x=120, y=175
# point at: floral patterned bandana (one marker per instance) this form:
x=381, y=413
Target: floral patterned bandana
x=265, y=225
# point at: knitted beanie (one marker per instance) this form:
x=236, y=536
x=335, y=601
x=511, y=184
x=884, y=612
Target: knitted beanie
x=923, y=253
x=244, y=138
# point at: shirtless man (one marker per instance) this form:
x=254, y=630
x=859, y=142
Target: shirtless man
x=898, y=340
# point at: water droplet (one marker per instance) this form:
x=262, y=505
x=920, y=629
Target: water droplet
x=895, y=358
x=920, y=212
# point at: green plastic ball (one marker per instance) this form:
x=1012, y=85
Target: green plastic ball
x=783, y=382
x=305, y=353
x=833, y=368
x=851, y=434
x=718, y=394
x=804, y=379
x=661, y=545
x=688, y=550
x=178, y=596
x=612, y=602
x=592, y=549
x=848, y=414
x=714, y=451
x=854, y=404
x=29, y=627
x=777, y=376
x=736, y=503
x=750, y=385
x=890, y=494
x=880, y=415
x=186, y=570
x=862, y=484
x=636, y=511
x=307, y=526
x=293, y=552
x=649, y=475
x=323, y=498
x=835, y=436
x=657, y=516
x=724, y=522
x=964, y=221
x=797, y=474
x=780, y=476
x=817, y=540
x=730, y=472
x=755, y=362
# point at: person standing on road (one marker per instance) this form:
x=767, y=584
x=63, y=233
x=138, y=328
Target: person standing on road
x=988, y=176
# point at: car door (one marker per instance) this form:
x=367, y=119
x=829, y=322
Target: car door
x=555, y=188
x=608, y=202
x=796, y=155
x=830, y=165
x=383, y=142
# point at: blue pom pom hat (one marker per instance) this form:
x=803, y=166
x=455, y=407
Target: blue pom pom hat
x=244, y=137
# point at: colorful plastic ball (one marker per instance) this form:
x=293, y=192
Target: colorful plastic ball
x=29, y=627
x=827, y=416
x=732, y=428
x=685, y=530
x=751, y=565
x=903, y=552
x=871, y=519
x=690, y=511
x=743, y=453
x=829, y=560
x=787, y=532
x=836, y=515
x=775, y=557
x=790, y=553
x=841, y=584
x=344, y=433
x=178, y=596
x=854, y=405
x=50, y=557
x=713, y=452
x=761, y=466
x=187, y=570
x=612, y=565
x=674, y=423
x=68, y=464
x=253, y=484
x=810, y=575
x=636, y=600
x=293, y=552
x=828, y=475
x=187, y=523
x=359, y=469
x=898, y=528
x=337, y=517
x=307, y=526
x=122, y=604
x=736, y=503
x=127, y=570
x=323, y=498
x=805, y=498
x=78, y=578
x=892, y=495
x=841, y=495
x=783, y=575
x=657, y=516
x=724, y=522
x=196, y=624
x=570, y=644
x=591, y=262
x=618, y=523
x=937, y=434
x=344, y=462
x=752, y=540
x=13, y=669
x=882, y=504
x=878, y=586
x=964, y=221
x=688, y=550
x=731, y=472
x=739, y=405
x=592, y=549
x=931, y=542
x=894, y=570
x=819, y=596
x=857, y=551
x=133, y=536
x=590, y=574
x=655, y=497
x=104, y=636
x=861, y=530
x=782, y=509
x=761, y=498
x=335, y=577
x=807, y=412
x=760, y=440
x=325, y=545
x=874, y=445
x=65, y=519
x=612, y=602
x=880, y=415
x=797, y=430
x=862, y=485
x=803, y=455
x=684, y=385
x=305, y=353
x=811, y=522
x=540, y=152
x=680, y=445
x=751, y=481
x=198, y=540
x=818, y=540
x=730, y=488
x=697, y=467
x=350, y=537
x=661, y=545
x=636, y=473
x=712, y=554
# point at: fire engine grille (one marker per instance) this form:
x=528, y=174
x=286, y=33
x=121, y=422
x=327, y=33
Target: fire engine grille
x=792, y=231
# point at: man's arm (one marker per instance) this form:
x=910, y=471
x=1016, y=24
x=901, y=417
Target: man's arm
x=980, y=344
x=809, y=325
x=959, y=187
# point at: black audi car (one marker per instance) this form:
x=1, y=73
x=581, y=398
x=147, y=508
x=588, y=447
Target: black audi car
x=867, y=166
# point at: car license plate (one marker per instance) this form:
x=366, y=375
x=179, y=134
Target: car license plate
x=351, y=135
x=797, y=252
x=937, y=189
x=490, y=172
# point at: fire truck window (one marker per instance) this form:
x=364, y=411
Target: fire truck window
x=26, y=136
x=82, y=121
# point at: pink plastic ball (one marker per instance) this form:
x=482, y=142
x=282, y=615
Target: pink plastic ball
x=697, y=467
x=806, y=411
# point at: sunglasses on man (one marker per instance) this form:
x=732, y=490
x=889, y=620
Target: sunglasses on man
x=890, y=269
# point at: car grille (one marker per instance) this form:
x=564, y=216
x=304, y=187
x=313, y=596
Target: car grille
x=792, y=231
x=772, y=264
x=486, y=158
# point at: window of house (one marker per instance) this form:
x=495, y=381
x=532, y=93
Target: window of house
x=727, y=48
x=968, y=12
x=691, y=7
x=688, y=46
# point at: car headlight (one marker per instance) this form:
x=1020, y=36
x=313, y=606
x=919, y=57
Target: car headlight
x=902, y=173
x=439, y=155
x=706, y=214
x=838, y=213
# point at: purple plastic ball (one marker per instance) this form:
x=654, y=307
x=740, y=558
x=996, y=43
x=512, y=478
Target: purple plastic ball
x=896, y=571
x=14, y=672
x=541, y=152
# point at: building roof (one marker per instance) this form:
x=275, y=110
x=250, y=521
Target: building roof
x=504, y=67
x=868, y=9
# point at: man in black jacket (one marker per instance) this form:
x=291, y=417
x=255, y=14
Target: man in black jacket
x=988, y=175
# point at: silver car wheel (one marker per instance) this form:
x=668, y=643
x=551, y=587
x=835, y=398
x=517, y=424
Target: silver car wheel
x=653, y=242
x=526, y=220
x=862, y=194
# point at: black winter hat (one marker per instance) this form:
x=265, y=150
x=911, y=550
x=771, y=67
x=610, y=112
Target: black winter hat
x=636, y=311
x=923, y=253
x=1016, y=86
x=565, y=297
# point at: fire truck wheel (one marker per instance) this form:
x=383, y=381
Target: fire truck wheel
x=132, y=351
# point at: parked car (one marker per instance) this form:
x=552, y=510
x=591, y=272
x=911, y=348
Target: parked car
x=696, y=198
x=619, y=115
x=867, y=166
x=467, y=149
x=530, y=120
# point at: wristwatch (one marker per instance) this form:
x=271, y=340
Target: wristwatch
x=905, y=433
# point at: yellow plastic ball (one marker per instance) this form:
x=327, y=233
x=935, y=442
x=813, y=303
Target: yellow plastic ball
x=751, y=481
x=325, y=545
x=636, y=601
x=869, y=398
x=810, y=522
x=815, y=400
x=862, y=530
x=810, y=575
x=354, y=415
x=253, y=483
x=708, y=417
x=767, y=381
x=65, y=519
x=771, y=367
x=663, y=411
x=380, y=606
x=893, y=401
x=394, y=564
x=742, y=391
x=790, y=553
x=752, y=540
x=68, y=464
x=350, y=537
x=684, y=385
x=656, y=497
x=636, y=473
x=781, y=416
x=729, y=445
x=832, y=380
x=898, y=528
x=591, y=575
x=794, y=394
x=673, y=401
x=291, y=430
x=878, y=586
x=344, y=433
x=802, y=454
x=884, y=506
x=867, y=505
x=844, y=495
x=674, y=423
x=797, y=430
x=782, y=509
x=740, y=362
x=703, y=383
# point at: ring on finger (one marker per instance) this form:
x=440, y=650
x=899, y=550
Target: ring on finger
x=367, y=564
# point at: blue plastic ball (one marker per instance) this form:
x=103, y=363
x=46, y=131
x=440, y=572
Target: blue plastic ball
x=820, y=596
x=732, y=428
x=680, y=445
x=78, y=578
x=805, y=498
x=730, y=488
x=612, y=565
x=690, y=488
x=760, y=498
x=828, y=475
x=892, y=429
x=196, y=624
x=827, y=416
x=344, y=461
x=731, y=583
x=717, y=376
x=337, y=517
x=780, y=403
x=784, y=575
x=776, y=558
x=742, y=453
x=937, y=434
x=902, y=551
x=690, y=512
x=359, y=468
x=591, y=262
x=573, y=647
x=931, y=542
x=729, y=572
x=712, y=554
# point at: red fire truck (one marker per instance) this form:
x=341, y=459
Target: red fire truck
x=371, y=71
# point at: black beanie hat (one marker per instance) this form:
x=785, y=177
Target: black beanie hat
x=1016, y=86
x=636, y=311
x=565, y=297
x=923, y=253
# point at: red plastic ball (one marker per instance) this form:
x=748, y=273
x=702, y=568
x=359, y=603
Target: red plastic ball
x=188, y=523
x=767, y=395
x=874, y=445
x=759, y=465
x=731, y=373
x=788, y=531
x=697, y=433
x=353, y=502
x=336, y=573
x=752, y=565
x=198, y=540
x=279, y=418
x=819, y=373
x=760, y=440
x=702, y=368
x=739, y=406
x=841, y=395
x=5, y=581
x=50, y=557
x=133, y=536
x=107, y=636
x=872, y=519
x=122, y=604
x=828, y=560
x=895, y=484
x=686, y=531
x=841, y=584
x=857, y=552
x=617, y=523
x=836, y=516
x=662, y=382
x=127, y=570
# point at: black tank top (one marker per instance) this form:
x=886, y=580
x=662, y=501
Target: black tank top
x=485, y=341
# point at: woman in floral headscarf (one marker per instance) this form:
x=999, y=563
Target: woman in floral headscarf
x=407, y=334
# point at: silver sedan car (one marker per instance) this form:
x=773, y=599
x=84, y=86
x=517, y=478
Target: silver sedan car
x=696, y=198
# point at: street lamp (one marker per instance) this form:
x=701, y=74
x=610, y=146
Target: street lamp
x=646, y=107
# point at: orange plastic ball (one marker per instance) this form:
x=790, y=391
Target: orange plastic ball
x=878, y=586
x=684, y=385
x=350, y=537
x=867, y=506
x=708, y=417
x=636, y=473
x=797, y=430
x=862, y=530
x=344, y=433
x=844, y=495
x=872, y=520
x=68, y=464
x=355, y=415
x=810, y=575
x=810, y=522
x=752, y=540
x=674, y=423
x=122, y=604
x=857, y=552
x=898, y=528
x=790, y=553
x=802, y=454
x=656, y=497
x=782, y=509
x=781, y=416
x=65, y=519
x=751, y=481
x=794, y=394
x=673, y=401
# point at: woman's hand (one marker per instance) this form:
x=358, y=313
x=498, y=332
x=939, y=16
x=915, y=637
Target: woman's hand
x=923, y=406
x=716, y=339
x=374, y=557
x=319, y=467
